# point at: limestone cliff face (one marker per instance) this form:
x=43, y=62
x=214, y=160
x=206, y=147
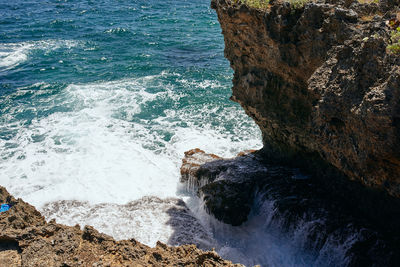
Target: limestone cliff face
x=320, y=83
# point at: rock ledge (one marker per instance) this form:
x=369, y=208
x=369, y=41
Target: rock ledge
x=26, y=239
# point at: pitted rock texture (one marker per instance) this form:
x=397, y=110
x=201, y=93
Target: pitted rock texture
x=320, y=83
x=26, y=239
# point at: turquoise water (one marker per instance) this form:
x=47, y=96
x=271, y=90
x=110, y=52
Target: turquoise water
x=98, y=102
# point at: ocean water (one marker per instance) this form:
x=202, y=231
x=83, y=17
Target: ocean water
x=98, y=102
x=99, y=99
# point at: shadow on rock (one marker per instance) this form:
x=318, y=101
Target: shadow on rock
x=328, y=215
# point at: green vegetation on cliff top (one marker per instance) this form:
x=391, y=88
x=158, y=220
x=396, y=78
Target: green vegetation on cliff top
x=394, y=47
x=263, y=4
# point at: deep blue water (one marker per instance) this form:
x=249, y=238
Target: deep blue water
x=108, y=40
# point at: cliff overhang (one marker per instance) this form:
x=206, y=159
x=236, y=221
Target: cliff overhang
x=321, y=84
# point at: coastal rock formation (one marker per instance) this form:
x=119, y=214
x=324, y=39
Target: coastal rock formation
x=225, y=186
x=320, y=83
x=26, y=239
x=319, y=80
x=335, y=228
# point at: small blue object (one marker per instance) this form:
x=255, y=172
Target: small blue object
x=4, y=207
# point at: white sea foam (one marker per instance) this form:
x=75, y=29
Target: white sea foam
x=102, y=156
x=149, y=219
x=13, y=54
x=255, y=241
x=105, y=160
x=99, y=152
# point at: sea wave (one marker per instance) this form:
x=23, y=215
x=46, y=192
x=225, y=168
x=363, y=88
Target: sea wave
x=13, y=54
x=112, y=141
x=149, y=219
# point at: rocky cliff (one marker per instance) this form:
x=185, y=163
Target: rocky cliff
x=26, y=239
x=320, y=83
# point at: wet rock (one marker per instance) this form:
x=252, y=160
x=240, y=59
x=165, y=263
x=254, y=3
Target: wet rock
x=228, y=202
x=191, y=163
x=222, y=184
x=28, y=240
x=357, y=220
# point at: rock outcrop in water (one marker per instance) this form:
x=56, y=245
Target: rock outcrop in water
x=26, y=239
x=339, y=224
x=320, y=83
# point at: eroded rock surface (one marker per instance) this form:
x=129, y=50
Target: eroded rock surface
x=320, y=83
x=26, y=239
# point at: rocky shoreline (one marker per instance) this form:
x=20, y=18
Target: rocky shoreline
x=26, y=239
x=322, y=85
